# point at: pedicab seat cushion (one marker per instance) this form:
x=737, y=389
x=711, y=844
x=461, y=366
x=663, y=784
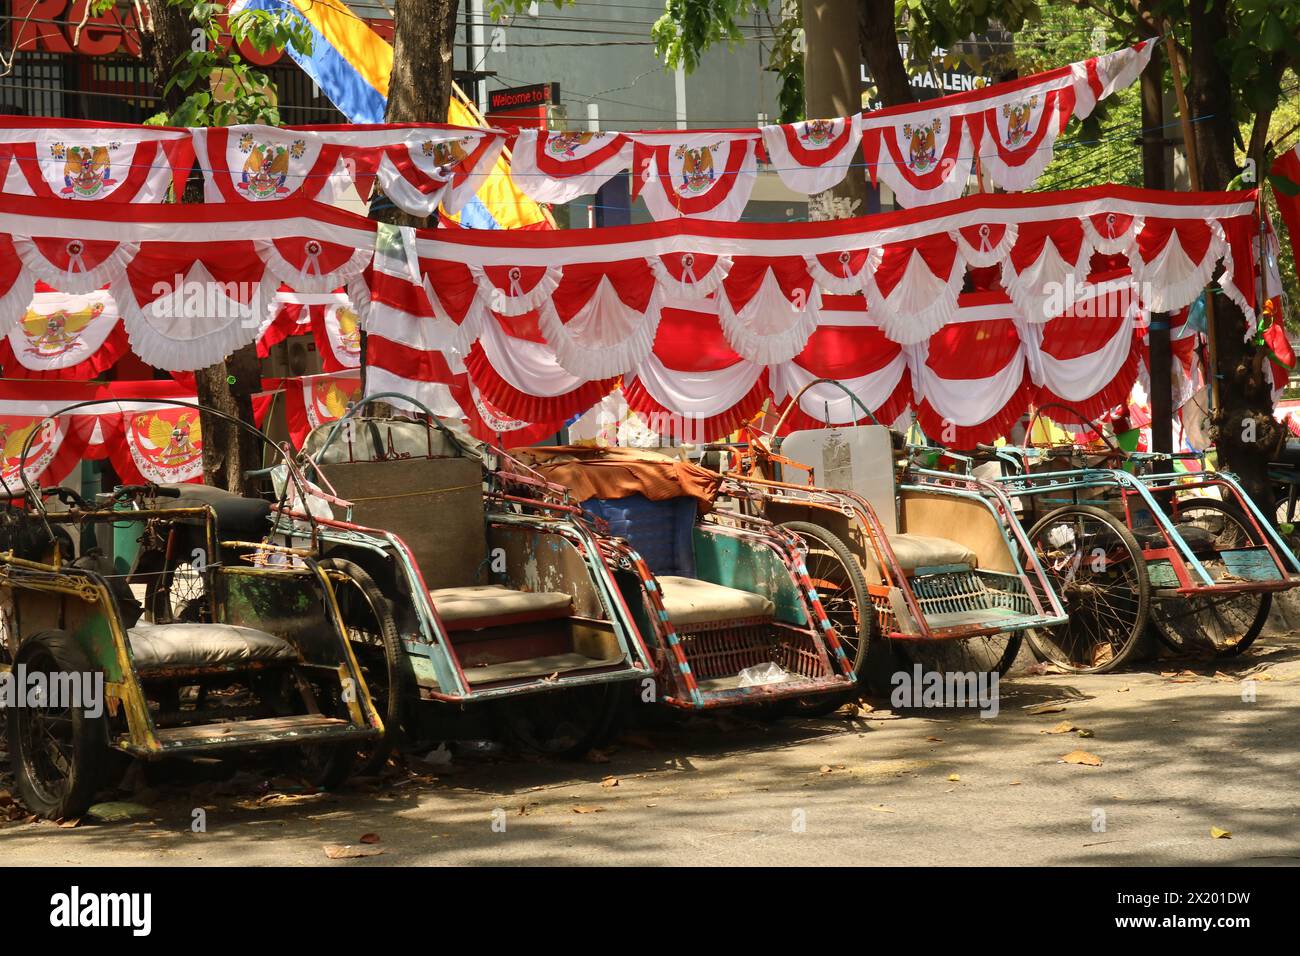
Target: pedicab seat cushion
x=922, y=551
x=692, y=601
x=155, y=646
x=481, y=605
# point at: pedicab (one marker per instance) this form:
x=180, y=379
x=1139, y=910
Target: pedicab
x=723, y=599
x=1128, y=541
x=474, y=597
x=257, y=660
x=949, y=577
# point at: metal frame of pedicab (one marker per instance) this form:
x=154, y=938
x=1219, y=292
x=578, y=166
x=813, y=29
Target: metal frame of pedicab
x=432, y=640
x=826, y=655
x=537, y=501
x=1038, y=601
x=126, y=694
x=1190, y=578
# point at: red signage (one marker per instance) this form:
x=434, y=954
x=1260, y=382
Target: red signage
x=51, y=26
x=523, y=97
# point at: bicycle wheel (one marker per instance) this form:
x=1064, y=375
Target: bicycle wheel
x=1213, y=627
x=1096, y=566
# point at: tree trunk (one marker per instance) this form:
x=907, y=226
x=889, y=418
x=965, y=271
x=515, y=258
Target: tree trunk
x=1153, y=177
x=163, y=41
x=419, y=90
x=1247, y=436
x=878, y=39
x=833, y=87
x=228, y=451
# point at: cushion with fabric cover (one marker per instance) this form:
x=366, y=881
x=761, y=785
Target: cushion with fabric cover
x=155, y=646
x=480, y=604
x=922, y=551
x=691, y=601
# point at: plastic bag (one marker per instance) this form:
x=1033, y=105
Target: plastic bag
x=769, y=673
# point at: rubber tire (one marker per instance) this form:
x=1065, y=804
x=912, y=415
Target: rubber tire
x=1261, y=615
x=89, y=737
x=871, y=646
x=398, y=676
x=1143, y=589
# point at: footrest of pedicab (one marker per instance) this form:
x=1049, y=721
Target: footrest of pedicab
x=303, y=728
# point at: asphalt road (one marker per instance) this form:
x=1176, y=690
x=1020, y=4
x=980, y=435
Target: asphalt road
x=1181, y=754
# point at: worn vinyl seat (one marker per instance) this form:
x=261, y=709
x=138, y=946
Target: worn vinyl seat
x=922, y=551
x=238, y=518
x=692, y=601
x=197, y=646
x=489, y=605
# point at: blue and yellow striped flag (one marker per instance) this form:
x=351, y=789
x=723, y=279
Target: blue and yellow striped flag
x=351, y=63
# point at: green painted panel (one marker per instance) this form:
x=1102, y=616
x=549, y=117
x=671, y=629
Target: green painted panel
x=96, y=639
x=1251, y=564
x=1161, y=573
x=748, y=566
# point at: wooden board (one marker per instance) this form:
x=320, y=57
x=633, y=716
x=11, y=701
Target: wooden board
x=859, y=458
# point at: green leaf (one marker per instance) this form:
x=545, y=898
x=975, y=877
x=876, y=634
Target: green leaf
x=1274, y=35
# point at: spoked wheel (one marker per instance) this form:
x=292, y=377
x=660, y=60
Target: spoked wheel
x=562, y=723
x=59, y=754
x=1213, y=627
x=1096, y=566
x=377, y=646
x=842, y=589
x=179, y=595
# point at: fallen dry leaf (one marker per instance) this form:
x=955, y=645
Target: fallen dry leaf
x=1220, y=834
x=1082, y=757
x=369, y=838
x=1085, y=732
x=953, y=777
x=1121, y=690
x=609, y=782
x=341, y=851
x=1064, y=727
x=582, y=809
x=937, y=740
x=1014, y=783
x=1037, y=709
x=70, y=824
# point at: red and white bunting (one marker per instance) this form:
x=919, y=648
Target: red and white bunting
x=924, y=154
x=558, y=167
x=813, y=155
x=601, y=319
x=62, y=333
x=700, y=175
x=768, y=308
x=925, y=151
x=419, y=167
x=913, y=290
x=87, y=161
x=315, y=400
x=145, y=438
